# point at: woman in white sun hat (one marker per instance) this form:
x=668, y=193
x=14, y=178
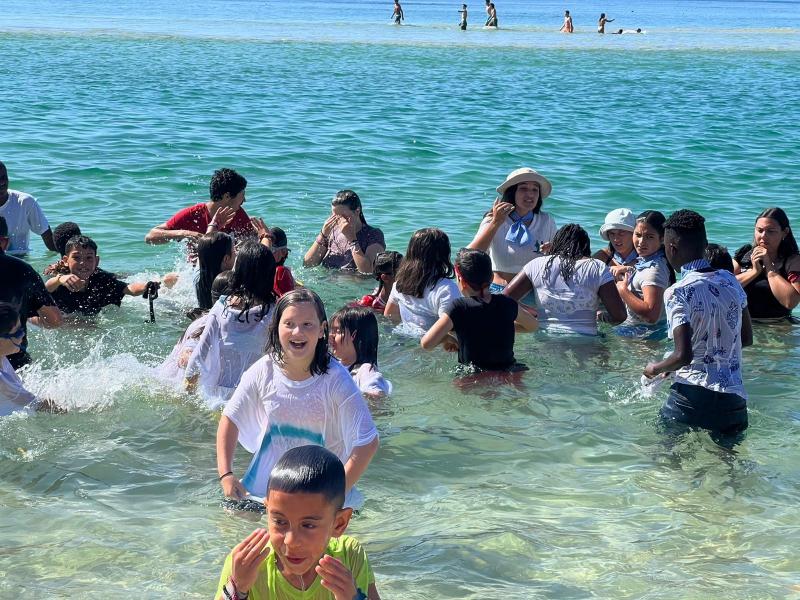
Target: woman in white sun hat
x=516, y=230
x=618, y=232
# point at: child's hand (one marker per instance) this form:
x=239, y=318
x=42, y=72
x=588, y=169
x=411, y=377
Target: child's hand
x=170, y=279
x=336, y=578
x=72, y=282
x=500, y=210
x=347, y=227
x=545, y=248
x=233, y=488
x=328, y=225
x=620, y=272
x=260, y=227
x=650, y=371
x=247, y=556
x=222, y=217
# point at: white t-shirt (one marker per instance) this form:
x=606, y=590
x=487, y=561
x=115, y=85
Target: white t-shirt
x=23, y=215
x=274, y=414
x=173, y=369
x=422, y=313
x=509, y=257
x=370, y=381
x=230, y=343
x=568, y=307
x=13, y=395
x=712, y=304
x=650, y=272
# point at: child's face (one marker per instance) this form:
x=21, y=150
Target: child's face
x=621, y=240
x=300, y=526
x=11, y=342
x=280, y=255
x=298, y=332
x=341, y=343
x=82, y=262
x=526, y=198
x=646, y=239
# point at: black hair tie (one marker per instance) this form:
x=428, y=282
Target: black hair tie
x=151, y=293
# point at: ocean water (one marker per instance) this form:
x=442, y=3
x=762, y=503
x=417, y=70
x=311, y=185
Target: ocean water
x=115, y=115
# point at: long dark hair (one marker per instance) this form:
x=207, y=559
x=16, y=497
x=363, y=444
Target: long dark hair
x=570, y=244
x=656, y=220
x=475, y=269
x=427, y=260
x=211, y=251
x=351, y=200
x=788, y=245
x=319, y=364
x=253, y=278
x=386, y=263
x=361, y=323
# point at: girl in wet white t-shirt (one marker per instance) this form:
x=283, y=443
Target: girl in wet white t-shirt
x=354, y=341
x=297, y=394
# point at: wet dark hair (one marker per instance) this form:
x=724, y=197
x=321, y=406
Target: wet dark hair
x=79, y=241
x=319, y=364
x=361, y=323
x=690, y=228
x=62, y=233
x=351, y=200
x=386, y=263
x=475, y=267
x=788, y=245
x=212, y=248
x=220, y=286
x=225, y=181
x=656, y=220
x=252, y=279
x=427, y=260
x=9, y=315
x=719, y=257
x=278, y=238
x=570, y=243
x=309, y=470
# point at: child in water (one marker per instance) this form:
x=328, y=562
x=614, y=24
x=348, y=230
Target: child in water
x=86, y=288
x=354, y=341
x=463, y=22
x=484, y=323
x=424, y=285
x=567, y=26
x=397, y=13
x=304, y=552
x=61, y=235
x=294, y=395
x=215, y=254
x=386, y=265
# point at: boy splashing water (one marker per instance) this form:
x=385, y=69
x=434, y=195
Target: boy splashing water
x=305, y=549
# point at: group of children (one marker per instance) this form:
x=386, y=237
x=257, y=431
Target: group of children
x=291, y=381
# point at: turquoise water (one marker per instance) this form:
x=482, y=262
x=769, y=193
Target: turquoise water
x=115, y=116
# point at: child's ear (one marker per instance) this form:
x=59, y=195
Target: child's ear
x=341, y=521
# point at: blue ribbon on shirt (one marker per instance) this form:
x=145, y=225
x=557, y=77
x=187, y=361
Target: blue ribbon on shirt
x=645, y=262
x=624, y=260
x=695, y=265
x=518, y=232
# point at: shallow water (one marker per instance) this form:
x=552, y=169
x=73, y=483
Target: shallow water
x=562, y=487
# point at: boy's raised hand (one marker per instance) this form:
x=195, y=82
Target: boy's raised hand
x=72, y=282
x=247, y=556
x=336, y=578
x=223, y=216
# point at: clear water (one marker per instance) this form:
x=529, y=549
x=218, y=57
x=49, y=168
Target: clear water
x=116, y=115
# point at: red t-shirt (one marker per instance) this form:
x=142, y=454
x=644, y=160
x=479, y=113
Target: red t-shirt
x=284, y=282
x=196, y=218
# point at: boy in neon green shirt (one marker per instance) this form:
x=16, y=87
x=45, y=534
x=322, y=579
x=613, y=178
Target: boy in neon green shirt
x=304, y=554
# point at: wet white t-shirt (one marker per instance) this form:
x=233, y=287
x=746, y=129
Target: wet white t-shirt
x=23, y=215
x=274, y=414
x=13, y=395
x=568, y=306
x=509, y=257
x=370, y=381
x=422, y=313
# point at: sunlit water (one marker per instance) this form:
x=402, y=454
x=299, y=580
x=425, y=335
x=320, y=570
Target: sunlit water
x=562, y=487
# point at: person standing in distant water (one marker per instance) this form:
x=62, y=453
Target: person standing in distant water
x=601, y=23
x=492, y=12
x=397, y=13
x=567, y=26
x=23, y=215
x=463, y=23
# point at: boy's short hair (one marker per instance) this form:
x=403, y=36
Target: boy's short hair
x=225, y=181
x=719, y=257
x=690, y=227
x=9, y=315
x=309, y=470
x=63, y=233
x=79, y=241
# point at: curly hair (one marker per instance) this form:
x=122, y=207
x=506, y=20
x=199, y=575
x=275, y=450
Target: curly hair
x=225, y=181
x=690, y=227
x=570, y=244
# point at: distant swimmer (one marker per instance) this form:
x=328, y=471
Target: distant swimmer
x=567, y=26
x=397, y=13
x=492, y=12
x=623, y=31
x=601, y=23
x=463, y=12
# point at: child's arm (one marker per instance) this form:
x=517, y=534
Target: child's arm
x=72, y=282
x=681, y=355
x=355, y=466
x=747, y=328
x=392, y=311
x=437, y=333
x=649, y=307
x=137, y=289
x=609, y=296
x=227, y=437
x=527, y=320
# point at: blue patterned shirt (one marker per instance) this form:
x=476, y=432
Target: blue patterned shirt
x=711, y=303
